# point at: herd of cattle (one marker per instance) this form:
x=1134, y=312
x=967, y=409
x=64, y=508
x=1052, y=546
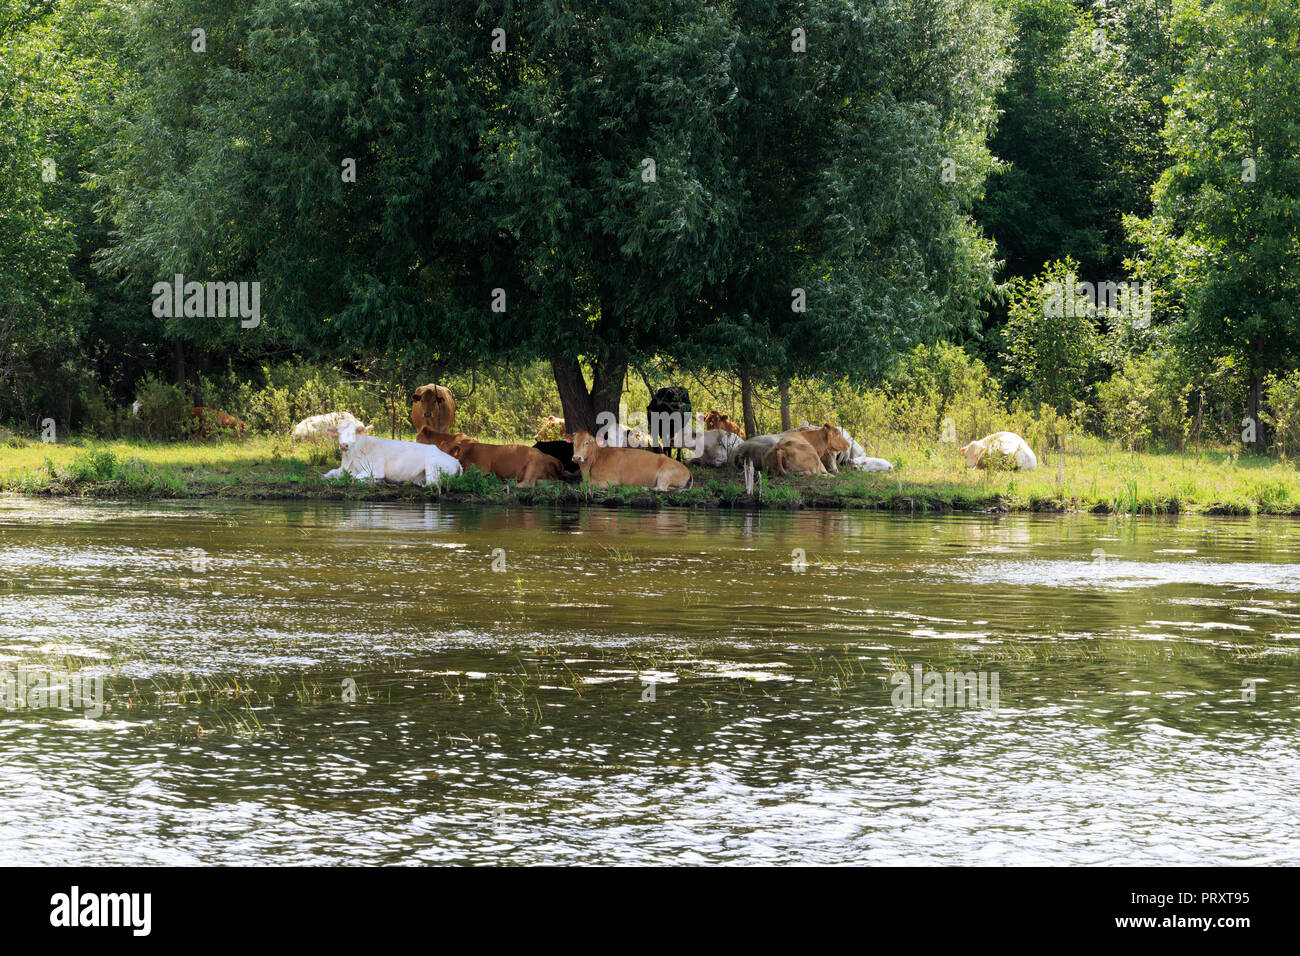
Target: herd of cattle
x=638, y=459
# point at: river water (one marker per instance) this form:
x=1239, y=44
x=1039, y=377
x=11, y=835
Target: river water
x=398, y=684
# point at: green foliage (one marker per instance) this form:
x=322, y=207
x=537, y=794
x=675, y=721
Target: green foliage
x=94, y=466
x=164, y=411
x=472, y=482
x=1052, y=346
x=1221, y=239
x=1283, y=412
x=1078, y=135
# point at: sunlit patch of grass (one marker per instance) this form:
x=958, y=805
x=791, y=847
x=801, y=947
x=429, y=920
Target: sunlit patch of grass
x=928, y=478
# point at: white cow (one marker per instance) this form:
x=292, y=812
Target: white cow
x=1007, y=443
x=383, y=459
x=714, y=447
x=314, y=428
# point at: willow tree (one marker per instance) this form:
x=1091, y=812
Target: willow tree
x=592, y=182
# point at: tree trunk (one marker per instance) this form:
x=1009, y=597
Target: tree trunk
x=747, y=401
x=785, y=404
x=1255, y=400
x=581, y=405
x=178, y=363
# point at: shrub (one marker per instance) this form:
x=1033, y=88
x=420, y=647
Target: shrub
x=1052, y=351
x=95, y=466
x=164, y=409
x=1282, y=412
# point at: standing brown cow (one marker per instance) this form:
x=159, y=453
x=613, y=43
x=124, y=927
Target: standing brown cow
x=432, y=406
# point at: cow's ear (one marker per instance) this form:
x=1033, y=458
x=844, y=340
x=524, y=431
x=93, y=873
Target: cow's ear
x=362, y=429
x=331, y=430
x=600, y=443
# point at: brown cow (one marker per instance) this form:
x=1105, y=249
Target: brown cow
x=209, y=423
x=828, y=441
x=432, y=406
x=604, y=466
x=792, y=455
x=715, y=419
x=528, y=465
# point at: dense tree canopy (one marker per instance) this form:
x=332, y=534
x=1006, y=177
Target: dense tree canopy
x=604, y=181
x=772, y=189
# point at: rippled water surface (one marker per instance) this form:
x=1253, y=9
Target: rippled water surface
x=319, y=683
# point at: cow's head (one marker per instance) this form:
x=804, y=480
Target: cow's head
x=457, y=445
x=835, y=440
x=347, y=433
x=585, y=445
x=429, y=397
x=973, y=452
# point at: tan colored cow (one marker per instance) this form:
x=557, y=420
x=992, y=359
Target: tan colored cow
x=604, y=466
x=828, y=441
x=211, y=423
x=793, y=455
x=432, y=406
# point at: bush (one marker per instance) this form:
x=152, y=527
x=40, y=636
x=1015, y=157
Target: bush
x=1282, y=403
x=1052, y=345
x=288, y=392
x=1145, y=402
x=94, y=467
x=164, y=413
x=1160, y=400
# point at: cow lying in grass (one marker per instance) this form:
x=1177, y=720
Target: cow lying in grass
x=714, y=447
x=551, y=429
x=562, y=451
x=793, y=455
x=753, y=449
x=519, y=462
x=603, y=466
x=1007, y=446
x=829, y=442
x=383, y=459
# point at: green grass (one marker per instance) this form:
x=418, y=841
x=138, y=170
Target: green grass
x=1096, y=477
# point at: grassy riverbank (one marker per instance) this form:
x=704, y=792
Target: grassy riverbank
x=1096, y=477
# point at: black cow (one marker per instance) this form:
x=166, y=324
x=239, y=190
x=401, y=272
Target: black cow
x=562, y=451
x=667, y=412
